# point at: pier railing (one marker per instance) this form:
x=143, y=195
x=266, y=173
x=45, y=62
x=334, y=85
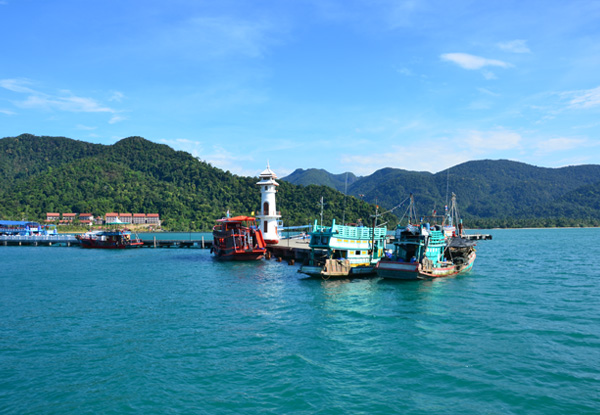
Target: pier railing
x=41, y=238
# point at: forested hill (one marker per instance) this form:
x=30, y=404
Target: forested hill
x=491, y=192
x=322, y=177
x=58, y=174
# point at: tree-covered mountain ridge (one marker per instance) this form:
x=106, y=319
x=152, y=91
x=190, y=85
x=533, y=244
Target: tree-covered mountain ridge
x=492, y=193
x=40, y=174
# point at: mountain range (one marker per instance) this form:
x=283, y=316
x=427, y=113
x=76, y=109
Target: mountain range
x=489, y=192
x=40, y=174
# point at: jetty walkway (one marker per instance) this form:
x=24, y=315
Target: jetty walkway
x=293, y=248
x=39, y=240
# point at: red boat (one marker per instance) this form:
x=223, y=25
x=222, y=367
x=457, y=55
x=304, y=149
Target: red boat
x=115, y=239
x=238, y=239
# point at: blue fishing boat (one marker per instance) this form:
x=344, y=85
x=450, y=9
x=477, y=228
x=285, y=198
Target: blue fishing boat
x=423, y=251
x=344, y=250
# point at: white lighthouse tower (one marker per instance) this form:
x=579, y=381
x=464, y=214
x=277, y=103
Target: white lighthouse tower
x=268, y=214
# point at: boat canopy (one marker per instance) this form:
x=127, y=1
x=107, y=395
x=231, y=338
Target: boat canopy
x=18, y=223
x=238, y=219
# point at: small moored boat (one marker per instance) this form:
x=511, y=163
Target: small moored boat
x=110, y=239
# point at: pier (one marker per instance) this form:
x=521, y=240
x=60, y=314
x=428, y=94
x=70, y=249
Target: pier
x=296, y=249
x=478, y=237
x=292, y=248
x=38, y=240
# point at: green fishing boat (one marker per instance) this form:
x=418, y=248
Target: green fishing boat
x=344, y=250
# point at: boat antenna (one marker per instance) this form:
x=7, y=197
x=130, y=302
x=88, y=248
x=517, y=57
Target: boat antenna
x=321, y=210
x=447, y=184
x=345, y=193
x=374, y=227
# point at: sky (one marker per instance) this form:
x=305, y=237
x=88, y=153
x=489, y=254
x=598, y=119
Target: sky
x=342, y=85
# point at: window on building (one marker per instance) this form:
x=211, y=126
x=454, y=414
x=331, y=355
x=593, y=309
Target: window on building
x=266, y=208
x=266, y=227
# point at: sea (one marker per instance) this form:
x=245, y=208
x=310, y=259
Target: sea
x=173, y=331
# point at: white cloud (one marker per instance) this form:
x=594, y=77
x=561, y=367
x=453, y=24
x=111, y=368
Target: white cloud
x=560, y=144
x=488, y=92
x=85, y=127
x=64, y=100
x=70, y=103
x=447, y=151
x=472, y=62
x=499, y=139
x=17, y=85
x=116, y=96
x=7, y=112
x=514, y=46
x=404, y=71
x=218, y=36
x=489, y=75
x=116, y=118
x=585, y=98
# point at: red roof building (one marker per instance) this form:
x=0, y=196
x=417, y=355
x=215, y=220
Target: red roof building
x=111, y=217
x=125, y=217
x=139, y=218
x=52, y=217
x=153, y=218
x=69, y=217
x=85, y=216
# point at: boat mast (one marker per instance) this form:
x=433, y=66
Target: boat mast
x=345, y=192
x=321, y=224
x=373, y=236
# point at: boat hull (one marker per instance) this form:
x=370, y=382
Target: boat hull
x=414, y=271
x=239, y=256
x=95, y=244
x=330, y=271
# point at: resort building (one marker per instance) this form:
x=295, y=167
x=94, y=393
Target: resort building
x=153, y=218
x=86, y=218
x=136, y=218
x=111, y=217
x=125, y=217
x=52, y=217
x=68, y=218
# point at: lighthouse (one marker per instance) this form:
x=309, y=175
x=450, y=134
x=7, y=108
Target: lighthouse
x=268, y=214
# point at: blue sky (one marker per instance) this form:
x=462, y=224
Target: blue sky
x=344, y=85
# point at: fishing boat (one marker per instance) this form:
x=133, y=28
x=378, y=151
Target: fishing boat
x=237, y=238
x=110, y=239
x=344, y=250
x=422, y=251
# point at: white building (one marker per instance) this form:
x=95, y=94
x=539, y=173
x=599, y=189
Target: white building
x=268, y=214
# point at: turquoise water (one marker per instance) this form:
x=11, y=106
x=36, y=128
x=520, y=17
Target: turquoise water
x=171, y=331
x=184, y=236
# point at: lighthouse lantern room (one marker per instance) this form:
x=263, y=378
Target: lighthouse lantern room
x=268, y=214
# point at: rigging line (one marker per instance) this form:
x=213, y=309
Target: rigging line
x=395, y=207
x=447, y=184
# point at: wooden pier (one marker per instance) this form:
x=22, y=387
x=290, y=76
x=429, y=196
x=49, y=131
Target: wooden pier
x=296, y=249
